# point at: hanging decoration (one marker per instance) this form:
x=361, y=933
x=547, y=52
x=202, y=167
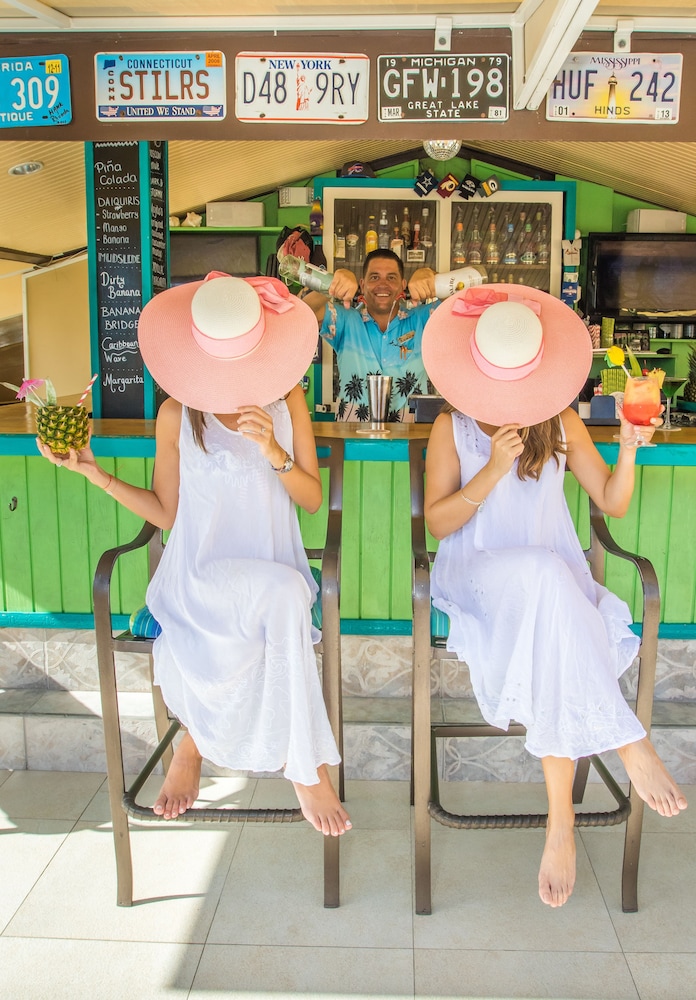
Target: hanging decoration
x=426, y=182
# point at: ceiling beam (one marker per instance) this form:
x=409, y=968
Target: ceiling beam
x=44, y=13
x=545, y=32
x=51, y=20
x=7, y=253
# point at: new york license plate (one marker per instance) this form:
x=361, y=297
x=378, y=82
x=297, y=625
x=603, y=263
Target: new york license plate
x=302, y=88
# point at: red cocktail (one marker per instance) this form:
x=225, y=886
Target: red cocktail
x=641, y=403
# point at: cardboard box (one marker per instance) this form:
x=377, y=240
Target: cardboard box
x=238, y=214
x=648, y=220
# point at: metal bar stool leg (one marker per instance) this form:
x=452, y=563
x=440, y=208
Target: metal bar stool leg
x=116, y=778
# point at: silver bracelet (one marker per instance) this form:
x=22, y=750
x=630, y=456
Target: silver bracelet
x=474, y=503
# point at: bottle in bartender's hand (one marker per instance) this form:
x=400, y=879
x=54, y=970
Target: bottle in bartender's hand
x=300, y=272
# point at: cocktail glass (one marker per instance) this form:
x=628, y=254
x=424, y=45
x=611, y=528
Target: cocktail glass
x=640, y=404
x=671, y=387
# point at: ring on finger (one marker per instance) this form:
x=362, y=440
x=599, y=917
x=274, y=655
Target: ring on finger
x=59, y=464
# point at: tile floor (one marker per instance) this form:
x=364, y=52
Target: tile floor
x=236, y=911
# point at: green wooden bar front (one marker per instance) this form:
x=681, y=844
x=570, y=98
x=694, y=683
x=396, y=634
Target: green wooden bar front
x=54, y=526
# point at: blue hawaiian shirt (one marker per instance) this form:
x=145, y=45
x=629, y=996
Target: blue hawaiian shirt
x=363, y=349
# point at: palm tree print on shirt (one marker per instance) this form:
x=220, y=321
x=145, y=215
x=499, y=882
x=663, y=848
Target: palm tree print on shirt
x=353, y=389
x=406, y=384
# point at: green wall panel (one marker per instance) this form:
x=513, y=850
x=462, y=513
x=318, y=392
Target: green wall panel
x=51, y=542
x=593, y=206
x=14, y=537
x=43, y=535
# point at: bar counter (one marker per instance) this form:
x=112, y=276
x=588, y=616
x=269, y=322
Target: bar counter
x=54, y=526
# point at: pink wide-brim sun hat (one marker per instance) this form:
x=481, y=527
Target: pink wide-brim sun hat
x=535, y=387
x=247, y=341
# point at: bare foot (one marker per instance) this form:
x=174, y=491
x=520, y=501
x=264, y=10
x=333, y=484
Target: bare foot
x=557, y=869
x=321, y=805
x=651, y=779
x=180, y=788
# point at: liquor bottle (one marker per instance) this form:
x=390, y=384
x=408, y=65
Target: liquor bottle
x=449, y=282
x=339, y=247
x=510, y=257
x=383, y=231
x=302, y=273
x=352, y=240
x=397, y=244
x=406, y=228
x=458, y=255
x=426, y=236
x=542, y=243
x=528, y=254
x=474, y=248
x=416, y=254
x=316, y=219
x=361, y=242
x=492, y=248
x=371, y=240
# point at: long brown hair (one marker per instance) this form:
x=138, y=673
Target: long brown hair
x=198, y=425
x=541, y=442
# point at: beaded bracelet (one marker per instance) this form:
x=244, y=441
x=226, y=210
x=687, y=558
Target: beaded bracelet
x=474, y=503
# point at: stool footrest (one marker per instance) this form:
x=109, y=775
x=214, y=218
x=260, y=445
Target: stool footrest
x=215, y=814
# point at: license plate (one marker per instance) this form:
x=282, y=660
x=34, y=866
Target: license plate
x=131, y=86
x=34, y=90
x=608, y=87
x=302, y=88
x=432, y=88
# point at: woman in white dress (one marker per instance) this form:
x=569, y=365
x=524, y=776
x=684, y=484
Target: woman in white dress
x=544, y=643
x=233, y=592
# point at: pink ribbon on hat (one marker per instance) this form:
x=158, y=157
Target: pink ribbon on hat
x=273, y=293
x=474, y=302
x=274, y=296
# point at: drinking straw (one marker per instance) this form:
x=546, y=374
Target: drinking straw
x=615, y=351
x=83, y=397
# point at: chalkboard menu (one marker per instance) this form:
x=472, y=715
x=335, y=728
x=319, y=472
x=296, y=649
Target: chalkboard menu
x=119, y=292
x=158, y=215
x=128, y=243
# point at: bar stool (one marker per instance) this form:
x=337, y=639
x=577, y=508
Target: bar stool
x=122, y=800
x=430, y=639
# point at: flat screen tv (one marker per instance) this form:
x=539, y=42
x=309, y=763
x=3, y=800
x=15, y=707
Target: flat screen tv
x=193, y=254
x=641, y=274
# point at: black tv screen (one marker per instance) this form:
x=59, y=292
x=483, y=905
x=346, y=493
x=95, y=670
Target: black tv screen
x=192, y=255
x=641, y=273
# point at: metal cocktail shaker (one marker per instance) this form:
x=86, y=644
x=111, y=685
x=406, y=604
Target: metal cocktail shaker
x=378, y=398
x=379, y=389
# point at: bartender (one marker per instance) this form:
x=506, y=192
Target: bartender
x=381, y=335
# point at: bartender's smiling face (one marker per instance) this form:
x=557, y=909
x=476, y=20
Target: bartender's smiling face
x=381, y=285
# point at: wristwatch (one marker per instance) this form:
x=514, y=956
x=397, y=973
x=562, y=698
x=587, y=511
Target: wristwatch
x=287, y=465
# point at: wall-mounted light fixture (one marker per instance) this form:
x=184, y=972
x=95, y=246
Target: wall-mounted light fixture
x=442, y=149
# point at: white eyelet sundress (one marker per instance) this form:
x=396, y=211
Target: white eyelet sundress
x=545, y=644
x=233, y=594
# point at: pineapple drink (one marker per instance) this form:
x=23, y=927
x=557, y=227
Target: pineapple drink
x=59, y=427
x=62, y=427
x=690, y=388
